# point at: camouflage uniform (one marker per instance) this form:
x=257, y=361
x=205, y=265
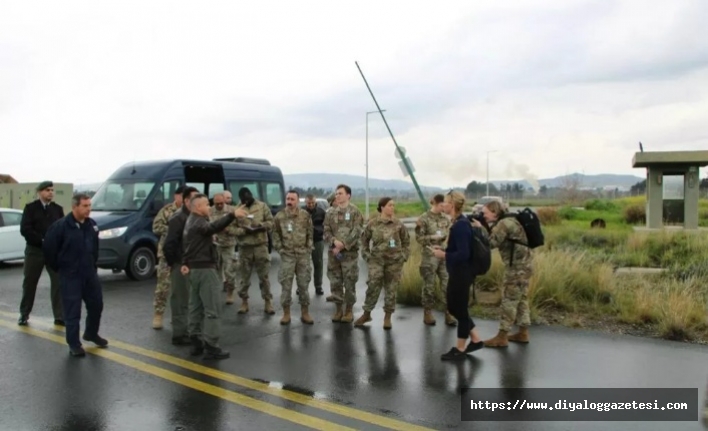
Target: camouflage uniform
x=292, y=239
x=429, y=225
x=345, y=225
x=253, y=252
x=159, y=228
x=225, y=247
x=385, y=248
x=518, y=263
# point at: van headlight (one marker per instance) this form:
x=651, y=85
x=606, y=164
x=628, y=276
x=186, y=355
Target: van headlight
x=112, y=233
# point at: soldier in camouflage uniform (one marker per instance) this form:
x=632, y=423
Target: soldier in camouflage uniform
x=432, y=229
x=330, y=201
x=385, y=246
x=505, y=234
x=293, y=240
x=342, y=231
x=159, y=228
x=225, y=247
x=252, y=237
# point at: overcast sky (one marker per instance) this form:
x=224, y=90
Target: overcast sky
x=553, y=86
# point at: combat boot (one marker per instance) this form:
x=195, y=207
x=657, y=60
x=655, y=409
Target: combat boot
x=428, y=318
x=366, y=317
x=213, y=352
x=230, y=297
x=305, y=315
x=337, y=314
x=269, y=307
x=387, y=321
x=520, y=337
x=244, y=307
x=286, y=316
x=449, y=319
x=157, y=321
x=330, y=298
x=500, y=340
x=197, y=345
x=348, y=315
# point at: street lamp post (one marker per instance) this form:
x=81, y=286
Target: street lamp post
x=367, y=159
x=492, y=151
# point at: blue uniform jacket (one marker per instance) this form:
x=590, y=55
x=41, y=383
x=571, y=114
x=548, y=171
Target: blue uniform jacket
x=71, y=247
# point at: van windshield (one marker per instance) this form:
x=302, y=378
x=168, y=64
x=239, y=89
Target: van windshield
x=122, y=195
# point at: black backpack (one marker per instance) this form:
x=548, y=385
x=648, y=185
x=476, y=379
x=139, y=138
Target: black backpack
x=481, y=253
x=532, y=227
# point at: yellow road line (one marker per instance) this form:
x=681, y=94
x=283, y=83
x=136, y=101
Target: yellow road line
x=234, y=397
x=328, y=406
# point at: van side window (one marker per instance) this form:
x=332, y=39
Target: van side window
x=215, y=188
x=199, y=186
x=274, y=194
x=166, y=193
x=235, y=186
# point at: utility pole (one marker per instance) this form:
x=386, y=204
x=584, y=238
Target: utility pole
x=492, y=151
x=367, y=160
x=404, y=159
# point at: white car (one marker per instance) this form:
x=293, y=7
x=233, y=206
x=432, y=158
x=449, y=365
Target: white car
x=12, y=244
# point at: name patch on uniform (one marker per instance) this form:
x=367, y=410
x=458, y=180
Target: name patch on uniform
x=438, y=233
x=347, y=216
x=392, y=243
x=290, y=227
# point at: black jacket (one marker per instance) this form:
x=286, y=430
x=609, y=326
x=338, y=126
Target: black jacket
x=71, y=248
x=318, y=218
x=173, y=241
x=199, y=248
x=36, y=220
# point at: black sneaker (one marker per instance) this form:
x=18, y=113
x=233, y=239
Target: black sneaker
x=59, y=322
x=77, y=352
x=319, y=291
x=22, y=321
x=97, y=340
x=453, y=355
x=472, y=347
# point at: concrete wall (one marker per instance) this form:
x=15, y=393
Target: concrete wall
x=18, y=195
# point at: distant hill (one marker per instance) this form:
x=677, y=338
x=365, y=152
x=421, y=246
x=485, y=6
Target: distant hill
x=583, y=181
x=329, y=181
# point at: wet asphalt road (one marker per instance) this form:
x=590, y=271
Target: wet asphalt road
x=325, y=376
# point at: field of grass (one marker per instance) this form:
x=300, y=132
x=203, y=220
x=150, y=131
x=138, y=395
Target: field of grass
x=574, y=282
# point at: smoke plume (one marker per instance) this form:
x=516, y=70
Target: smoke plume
x=516, y=170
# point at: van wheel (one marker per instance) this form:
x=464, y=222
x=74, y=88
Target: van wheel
x=141, y=264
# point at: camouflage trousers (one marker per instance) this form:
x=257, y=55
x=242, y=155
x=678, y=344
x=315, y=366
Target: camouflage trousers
x=227, y=266
x=431, y=267
x=297, y=267
x=250, y=258
x=383, y=275
x=515, y=303
x=343, y=275
x=162, y=290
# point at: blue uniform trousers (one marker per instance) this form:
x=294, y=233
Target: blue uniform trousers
x=76, y=288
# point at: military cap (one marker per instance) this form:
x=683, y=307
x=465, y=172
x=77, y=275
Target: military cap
x=44, y=185
x=330, y=198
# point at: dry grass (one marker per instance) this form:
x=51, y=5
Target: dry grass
x=574, y=274
x=549, y=216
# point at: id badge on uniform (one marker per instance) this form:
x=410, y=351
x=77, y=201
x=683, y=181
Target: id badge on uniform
x=347, y=217
x=290, y=227
x=392, y=243
x=438, y=233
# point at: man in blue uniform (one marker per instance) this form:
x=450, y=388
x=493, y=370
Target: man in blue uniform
x=71, y=249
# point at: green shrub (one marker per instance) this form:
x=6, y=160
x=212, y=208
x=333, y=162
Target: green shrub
x=601, y=205
x=634, y=214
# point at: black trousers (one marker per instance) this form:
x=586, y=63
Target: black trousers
x=33, y=267
x=458, y=297
x=75, y=289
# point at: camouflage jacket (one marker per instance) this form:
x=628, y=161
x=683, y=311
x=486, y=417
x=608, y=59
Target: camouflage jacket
x=292, y=233
x=502, y=235
x=258, y=215
x=227, y=237
x=430, y=225
x=345, y=225
x=159, y=226
x=386, y=239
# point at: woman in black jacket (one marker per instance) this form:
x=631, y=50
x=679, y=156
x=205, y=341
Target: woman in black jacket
x=458, y=261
